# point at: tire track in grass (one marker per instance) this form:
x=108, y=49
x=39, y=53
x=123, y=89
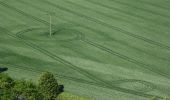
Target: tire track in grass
x=142, y=9
x=109, y=16
x=152, y=4
x=146, y=66
x=109, y=51
x=90, y=76
x=128, y=57
x=107, y=83
x=127, y=13
x=54, y=57
x=84, y=26
x=93, y=30
x=127, y=90
x=103, y=83
x=109, y=26
x=85, y=81
x=23, y=13
x=77, y=79
x=57, y=75
x=44, y=51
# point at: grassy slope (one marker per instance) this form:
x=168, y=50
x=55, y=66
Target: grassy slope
x=125, y=53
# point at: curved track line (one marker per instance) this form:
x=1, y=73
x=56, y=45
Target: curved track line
x=84, y=26
x=134, y=93
x=83, y=37
x=68, y=64
x=105, y=84
x=146, y=66
x=69, y=78
x=58, y=30
x=110, y=26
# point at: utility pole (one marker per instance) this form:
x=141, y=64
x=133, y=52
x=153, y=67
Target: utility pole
x=50, y=22
x=50, y=26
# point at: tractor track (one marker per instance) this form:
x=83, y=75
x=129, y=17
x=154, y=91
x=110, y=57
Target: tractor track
x=107, y=15
x=107, y=51
x=80, y=80
x=127, y=13
x=83, y=38
x=83, y=72
x=155, y=5
x=146, y=66
x=142, y=9
x=86, y=27
x=109, y=26
x=103, y=83
x=117, y=88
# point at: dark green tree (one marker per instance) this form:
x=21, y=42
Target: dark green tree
x=48, y=86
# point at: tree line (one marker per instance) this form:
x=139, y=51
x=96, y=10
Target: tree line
x=46, y=89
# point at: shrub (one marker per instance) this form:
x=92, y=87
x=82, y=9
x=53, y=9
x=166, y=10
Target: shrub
x=48, y=86
x=7, y=95
x=6, y=82
x=27, y=89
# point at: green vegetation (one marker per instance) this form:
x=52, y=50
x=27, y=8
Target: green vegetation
x=47, y=89
x=69, y=96
x=48, y=86
x=102, y=49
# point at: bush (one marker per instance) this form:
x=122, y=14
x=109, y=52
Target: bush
x=27, y=89
x=6, y=82
x=48, y=86
x=7, y=95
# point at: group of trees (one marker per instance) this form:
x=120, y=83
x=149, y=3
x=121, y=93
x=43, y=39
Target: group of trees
x=46, y=89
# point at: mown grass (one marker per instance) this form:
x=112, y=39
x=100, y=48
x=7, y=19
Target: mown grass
x=69, y=96
x=108, y=49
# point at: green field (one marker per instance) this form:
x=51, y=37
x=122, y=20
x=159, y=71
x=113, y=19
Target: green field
x=102, y=49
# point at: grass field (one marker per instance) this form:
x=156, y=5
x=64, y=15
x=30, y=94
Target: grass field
x=102, y=49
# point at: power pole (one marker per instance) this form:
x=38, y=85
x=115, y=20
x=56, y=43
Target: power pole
x=50, y=26
x=50, y=22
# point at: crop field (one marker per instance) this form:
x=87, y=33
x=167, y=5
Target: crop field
x=102, y=49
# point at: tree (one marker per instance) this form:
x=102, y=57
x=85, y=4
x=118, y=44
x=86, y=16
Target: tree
x=48, y=86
